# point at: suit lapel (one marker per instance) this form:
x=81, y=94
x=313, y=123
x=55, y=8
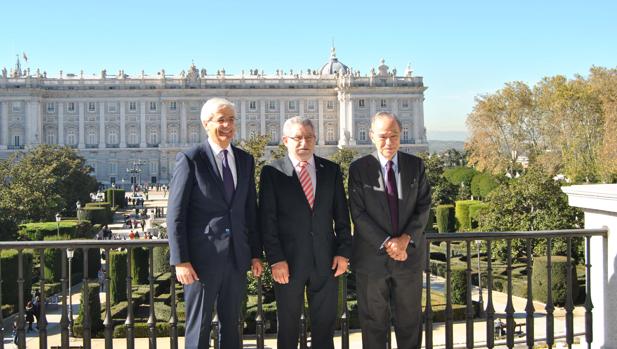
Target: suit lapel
x=405, y=171
x=241, y=172
x=208, y=156
x=320, y=173
x=382, y=196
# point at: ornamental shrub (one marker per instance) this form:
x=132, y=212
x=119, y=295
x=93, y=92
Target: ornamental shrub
x=458, y=283
x=94, y=311
x=117, y=274
x=140, y=265
x=161, y=260
x=115, y=197
x=97, y=214
x=559, y=275
x=10, y=264
x=463, y=219
x=444, y=215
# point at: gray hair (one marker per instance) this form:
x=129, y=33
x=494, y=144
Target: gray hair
x=383, y=115
x=213, y=105
x=297, y=120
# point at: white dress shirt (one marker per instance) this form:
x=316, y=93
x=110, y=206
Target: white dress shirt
x=219, y=156
x=310, y=167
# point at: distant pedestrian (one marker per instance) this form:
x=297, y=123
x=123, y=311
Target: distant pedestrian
x=29, y=315
x=101, y=277
x=132, y=235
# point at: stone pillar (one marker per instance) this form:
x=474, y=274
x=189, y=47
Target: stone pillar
x=262, y=117
x=123, y=124
x=101, y=124
x=417, y=125
x=183, y=124
x=164, y=106
x=322, y=131
x=394, y=108
x=31, y=115
x=4, y=124
x=372, y=107
x=82, y=143
x=142, y=125
x=301, y=107
x=60, y=123
x=281, y=121
x=243, y=119
x=599, y=203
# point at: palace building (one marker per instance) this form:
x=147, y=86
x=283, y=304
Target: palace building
x=121, y=121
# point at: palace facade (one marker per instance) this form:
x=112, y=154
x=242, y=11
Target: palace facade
x=129, y=128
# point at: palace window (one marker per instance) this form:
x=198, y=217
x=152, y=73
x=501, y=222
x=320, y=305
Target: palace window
x=70, y=107
x=330, y=105
x=92, y=136
x=16, y=107
x=253, y=105
x=112, y=136
x=113, y=168
x=330, y=134
x=311, y=105
x=154, y=136
x=91, y=106
x=112, y=107
x=173, y=135
x=384, y=104
x=361, y=103
x=51, y=108
x=50, y=136
x=132, y=106
x=154, y=168
x=271, y=105
x=152, y=106
x=193, y=135
x=291, y=105
x=172, y=105
x=71, y=138
x=133, y=135
x=405, y=104
x=362, y=133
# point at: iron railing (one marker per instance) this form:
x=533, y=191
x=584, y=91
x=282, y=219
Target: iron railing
x=429, y=342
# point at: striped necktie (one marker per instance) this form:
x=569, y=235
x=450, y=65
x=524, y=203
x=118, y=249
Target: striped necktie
x=307, y=184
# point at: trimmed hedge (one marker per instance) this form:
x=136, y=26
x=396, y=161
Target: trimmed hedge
x=117, y=273
x=140, y=266
x=161, y=260
x=444, y=215
x=430, y=224
x=458, y=283
x=52, y=260
x=97, y=214
x=475, y=211
x=141, y=330
x=10, y=263
x=40, y=231
x=559, y=279
x=115, y=197
x=461, y=212
x=94, y=311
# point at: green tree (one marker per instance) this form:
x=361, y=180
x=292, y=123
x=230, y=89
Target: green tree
x=43, y=181
x=532, y=202
x=344, y=157
x=442, y=191
x=256, y=146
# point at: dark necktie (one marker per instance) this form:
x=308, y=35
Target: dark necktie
x=392, y=196
x=228, y=179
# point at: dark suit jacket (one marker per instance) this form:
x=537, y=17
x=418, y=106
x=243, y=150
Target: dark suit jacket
x=202, y=226
x=290, y=230
x=371, y=215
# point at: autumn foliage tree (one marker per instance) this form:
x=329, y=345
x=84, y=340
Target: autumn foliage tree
x=563, y=125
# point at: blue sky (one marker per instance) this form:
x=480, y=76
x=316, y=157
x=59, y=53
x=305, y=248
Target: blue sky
x=462, y=48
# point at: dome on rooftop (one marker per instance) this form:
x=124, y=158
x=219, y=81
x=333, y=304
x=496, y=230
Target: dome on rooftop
x=334, y=66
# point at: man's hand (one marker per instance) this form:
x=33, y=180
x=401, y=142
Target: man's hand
x=280, y=272
x=185, y=273
x=340, y=264
x=397, y=247
x=256, y=267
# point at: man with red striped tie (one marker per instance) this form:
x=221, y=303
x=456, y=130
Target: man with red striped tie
x=306, y=234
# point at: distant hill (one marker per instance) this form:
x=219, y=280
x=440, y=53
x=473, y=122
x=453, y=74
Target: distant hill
x=439, y=146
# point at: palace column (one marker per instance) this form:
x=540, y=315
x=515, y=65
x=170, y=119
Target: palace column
x=60, y=123
x=142, y=125
x=101, y=125
x=164, y=105
x=82, y=143
x=4, y=124
x=183, y=124
x=262, y=117
x=122, y=124
x=281, y=120
x=243, y=119
x=322, y=131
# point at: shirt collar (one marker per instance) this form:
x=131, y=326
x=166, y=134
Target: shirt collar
x=296, y=162
x=216, y=149
x=383, y=161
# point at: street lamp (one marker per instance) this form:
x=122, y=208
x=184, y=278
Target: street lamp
x=78, y=206
x=135, y=172
x=480, y=300
x=58, y=218
x=69, y=255
x=113, y=195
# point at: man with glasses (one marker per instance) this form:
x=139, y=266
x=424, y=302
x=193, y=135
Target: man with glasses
x=389, y=198
x=212, y=227
x=306, y=235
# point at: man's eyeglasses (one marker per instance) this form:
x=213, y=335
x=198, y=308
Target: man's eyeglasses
x=305, y=138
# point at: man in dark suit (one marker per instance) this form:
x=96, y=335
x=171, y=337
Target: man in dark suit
x=212, y=227
x=306, y=235
x=389, y=197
